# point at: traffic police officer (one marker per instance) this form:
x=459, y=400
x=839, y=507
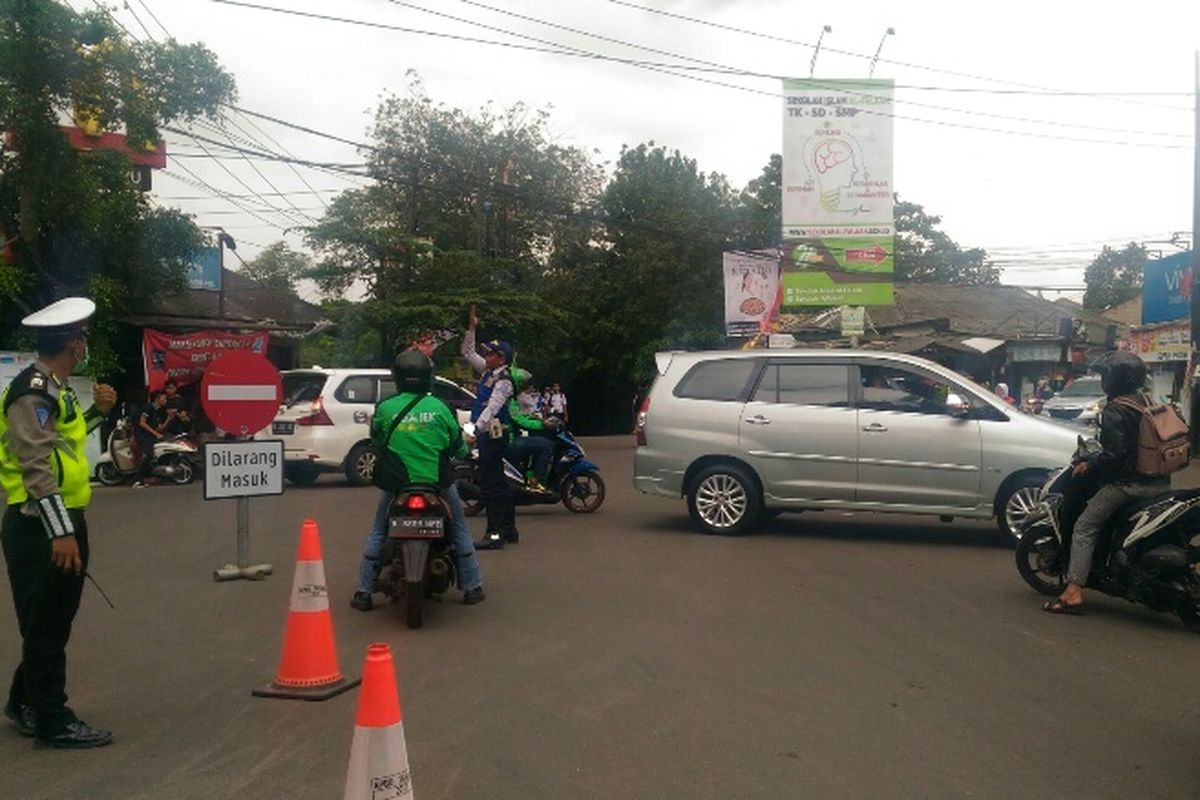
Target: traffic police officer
x=45, y=474
x=493, y=423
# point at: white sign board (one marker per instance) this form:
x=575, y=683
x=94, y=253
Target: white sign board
x=751, y=289
x=243, y=469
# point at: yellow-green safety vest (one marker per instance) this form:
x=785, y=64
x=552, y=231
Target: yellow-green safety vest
x=69, y=457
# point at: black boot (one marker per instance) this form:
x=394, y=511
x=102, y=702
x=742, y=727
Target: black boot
x=490, y=541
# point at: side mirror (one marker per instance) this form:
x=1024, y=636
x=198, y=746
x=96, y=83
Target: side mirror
x=957, y=405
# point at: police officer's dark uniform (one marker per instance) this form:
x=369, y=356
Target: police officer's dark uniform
x=493, y=426
x=45, y=474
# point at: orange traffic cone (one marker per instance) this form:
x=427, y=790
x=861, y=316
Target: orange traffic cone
x=378, y=756
x=308, y=668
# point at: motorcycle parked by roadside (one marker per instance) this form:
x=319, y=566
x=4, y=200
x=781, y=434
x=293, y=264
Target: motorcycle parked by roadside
x=574, y=480
x=1147, y=553
x=418, y=556
x=176, y=458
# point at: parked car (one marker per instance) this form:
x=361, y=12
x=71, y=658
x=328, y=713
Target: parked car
x=743, y=435
x=325, y=417
x=1080, y=401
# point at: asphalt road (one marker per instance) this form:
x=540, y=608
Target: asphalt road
x=619, y=655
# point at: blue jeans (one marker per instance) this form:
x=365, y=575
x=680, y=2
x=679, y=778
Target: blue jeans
x=537, y=448
x=464, y=549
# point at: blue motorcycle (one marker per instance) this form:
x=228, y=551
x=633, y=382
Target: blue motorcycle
x=574, y=481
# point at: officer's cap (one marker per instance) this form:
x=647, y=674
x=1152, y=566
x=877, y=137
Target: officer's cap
x=501, y=347
x=63, y=318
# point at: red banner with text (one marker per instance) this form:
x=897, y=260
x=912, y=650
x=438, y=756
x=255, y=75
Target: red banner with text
x=184, y=357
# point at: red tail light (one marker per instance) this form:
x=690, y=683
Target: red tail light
x=415, y=502
x=318, y=415
x=640, y=430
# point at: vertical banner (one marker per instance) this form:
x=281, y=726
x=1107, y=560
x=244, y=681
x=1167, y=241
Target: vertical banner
x=751, y=290
x=838, y=221
x=185, y=357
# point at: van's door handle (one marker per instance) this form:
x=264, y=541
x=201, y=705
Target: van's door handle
x=758, y=419
x=875, y=427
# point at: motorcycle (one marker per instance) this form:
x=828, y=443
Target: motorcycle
x=574, y=480
x=176, y=458
x=418, y=556
x=1147, y=553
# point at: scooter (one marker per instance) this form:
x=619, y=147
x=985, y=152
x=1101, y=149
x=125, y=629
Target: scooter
x=418, y=556
x=574, y=480
x=1147, y=553
x=176, y=458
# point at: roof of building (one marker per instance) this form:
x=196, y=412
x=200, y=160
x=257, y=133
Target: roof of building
x=247, y=305
x=998, y=312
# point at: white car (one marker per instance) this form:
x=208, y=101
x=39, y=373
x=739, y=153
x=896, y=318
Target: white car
x=325, y=419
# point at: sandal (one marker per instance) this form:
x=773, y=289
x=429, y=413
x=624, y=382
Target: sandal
x=1059, y=606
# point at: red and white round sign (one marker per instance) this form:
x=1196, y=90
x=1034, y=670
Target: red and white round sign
x=241, y=392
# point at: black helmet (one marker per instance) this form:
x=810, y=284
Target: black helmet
x=413, y=372
x=1121, y=373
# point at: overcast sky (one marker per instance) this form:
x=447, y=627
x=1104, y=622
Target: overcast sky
x=1042, y=180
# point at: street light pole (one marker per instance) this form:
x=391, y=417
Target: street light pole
x=812, y=65
x=889, y=32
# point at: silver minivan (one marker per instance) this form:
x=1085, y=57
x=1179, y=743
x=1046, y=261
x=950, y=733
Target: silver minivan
x=747, y=434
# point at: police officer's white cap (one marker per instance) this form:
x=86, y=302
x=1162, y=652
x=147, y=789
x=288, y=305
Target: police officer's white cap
x=61, y=314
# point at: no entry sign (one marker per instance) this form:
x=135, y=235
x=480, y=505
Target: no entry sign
x=241, y=392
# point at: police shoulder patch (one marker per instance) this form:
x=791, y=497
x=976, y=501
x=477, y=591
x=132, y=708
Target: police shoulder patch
x=43, y=415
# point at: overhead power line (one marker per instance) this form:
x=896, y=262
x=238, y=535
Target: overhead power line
x=851, y=53
x=671, y=69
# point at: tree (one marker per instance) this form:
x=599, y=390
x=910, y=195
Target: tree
x=924, y=254
x=760, y=208
x=1114, y=276
x=278, y=267
x=466, y=208
x=73, y=221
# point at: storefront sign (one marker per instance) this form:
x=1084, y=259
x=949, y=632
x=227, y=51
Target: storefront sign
x=184, y=358
x=1164, y=343
x=1023, y=352
x=204, y=271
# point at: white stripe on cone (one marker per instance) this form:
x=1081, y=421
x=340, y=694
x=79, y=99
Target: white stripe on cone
x=378, y=765
x=308, y=587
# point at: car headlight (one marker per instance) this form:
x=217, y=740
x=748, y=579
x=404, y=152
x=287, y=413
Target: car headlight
x=1092, y=407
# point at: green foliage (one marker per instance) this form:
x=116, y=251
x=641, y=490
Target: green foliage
x=924, y=254
x=1114, y=276
x=278, y=267
x=77, y=222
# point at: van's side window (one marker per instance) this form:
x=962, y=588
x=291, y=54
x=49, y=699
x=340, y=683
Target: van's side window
x=723, y=379
x=357, y=389
x=895, y=389
x=805, y=385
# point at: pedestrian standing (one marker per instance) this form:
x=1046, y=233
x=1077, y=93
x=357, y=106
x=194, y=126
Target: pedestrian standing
x=45, y=475
x=493, y=425
x=558, y=403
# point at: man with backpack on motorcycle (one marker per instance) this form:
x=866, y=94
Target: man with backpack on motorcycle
x=1113, y=471
x=425, y=441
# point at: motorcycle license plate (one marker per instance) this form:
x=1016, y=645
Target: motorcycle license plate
x=283, y=428
x=416, y=527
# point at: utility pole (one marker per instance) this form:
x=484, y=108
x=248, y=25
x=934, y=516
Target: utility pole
x=1192, y=381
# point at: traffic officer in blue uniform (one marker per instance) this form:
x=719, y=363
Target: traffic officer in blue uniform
x=493, y=425
x=45, y=475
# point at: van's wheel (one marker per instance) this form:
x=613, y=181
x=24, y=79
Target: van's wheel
x=1020, y=501
x=724, y=499
x=302, y=474
x=360, y=464
x=414, y=597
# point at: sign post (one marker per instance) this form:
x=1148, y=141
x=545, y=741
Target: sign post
x=241, y=393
